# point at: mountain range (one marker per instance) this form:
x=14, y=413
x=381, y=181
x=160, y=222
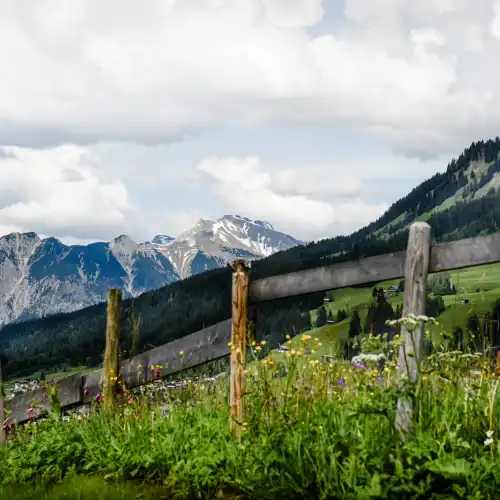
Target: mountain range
x=460, y=202
x=39, y=277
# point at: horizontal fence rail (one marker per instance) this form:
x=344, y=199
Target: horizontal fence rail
x=444, y=257
x=197, y=348
x=212, y=343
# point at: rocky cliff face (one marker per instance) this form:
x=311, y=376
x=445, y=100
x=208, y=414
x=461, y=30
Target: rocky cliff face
x=40, y=277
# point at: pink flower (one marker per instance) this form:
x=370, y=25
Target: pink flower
x=86, y=391
x=130, y=400
x=98, y=397
x=30, y=411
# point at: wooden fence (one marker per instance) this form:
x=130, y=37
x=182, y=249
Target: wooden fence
x=211, y=343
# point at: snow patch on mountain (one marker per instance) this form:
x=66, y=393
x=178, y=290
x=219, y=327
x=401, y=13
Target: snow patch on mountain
x=41, y=277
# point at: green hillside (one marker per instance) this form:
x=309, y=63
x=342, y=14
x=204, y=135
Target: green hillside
x=479, y=286
x=461, y=202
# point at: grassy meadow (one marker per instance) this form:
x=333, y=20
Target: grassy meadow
x=312, y=429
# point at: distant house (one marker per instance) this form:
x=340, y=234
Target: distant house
x=330, y=321
x=392, y=290
x=326, y=300
x=464, y=301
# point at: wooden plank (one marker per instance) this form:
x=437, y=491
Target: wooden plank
x=468, y=252
x=415, y=294
x=198, y=348
x=238, y=347
x=69, y=391
x=355, y=272
x=112, y=348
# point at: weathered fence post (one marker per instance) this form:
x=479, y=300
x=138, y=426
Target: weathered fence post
x=238, y=346
x=411, y=352
x=112, y=347
x=2, y=408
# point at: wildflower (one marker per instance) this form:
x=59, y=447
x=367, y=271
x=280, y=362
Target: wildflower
x=98, y=397
x=165, y=413
x=129, y=400
x=258, y=348
x=181, y=353
x=359, y=365
x=489, y=438
x=341, y=382
x=263, y=342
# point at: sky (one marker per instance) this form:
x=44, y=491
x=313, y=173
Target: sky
x=139, y=118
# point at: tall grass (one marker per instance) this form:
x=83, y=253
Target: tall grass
x=312, y=430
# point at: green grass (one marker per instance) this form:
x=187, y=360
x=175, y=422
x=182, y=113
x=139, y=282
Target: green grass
x=85, y=488
x=481, y=285
x=306, y=436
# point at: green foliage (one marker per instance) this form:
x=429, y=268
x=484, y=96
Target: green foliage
x=440, y=284
x=378, y=314
x=321, y=317
x=341, y=315
x=312, y=430
x=354, y=325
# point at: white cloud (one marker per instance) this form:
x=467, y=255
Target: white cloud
x=495, y=22
x=178, y=221
x=155, y=72
x=59, y=192
x=247, y=187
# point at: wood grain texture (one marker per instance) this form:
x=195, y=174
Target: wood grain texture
x=69, y=391
x=356, y=272
x=111, y=353
x=238, y=347
x=198, y=348
x=468, y=252
x=415, y=294
x=444, y=256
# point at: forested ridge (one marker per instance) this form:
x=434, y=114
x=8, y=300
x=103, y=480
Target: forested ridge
x=189, y=305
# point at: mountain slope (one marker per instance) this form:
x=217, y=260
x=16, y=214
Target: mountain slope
x=210, y=244
x=456, y=203
x=40, y=277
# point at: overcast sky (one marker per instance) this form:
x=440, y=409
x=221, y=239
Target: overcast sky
x=141, y=117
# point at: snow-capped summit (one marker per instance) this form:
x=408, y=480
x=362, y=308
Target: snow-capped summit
x=40, y=277
x=210, y=244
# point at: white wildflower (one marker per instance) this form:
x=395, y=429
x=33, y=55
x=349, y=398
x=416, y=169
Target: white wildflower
x=364, y=357
x=422, y=318
x=489, y=438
